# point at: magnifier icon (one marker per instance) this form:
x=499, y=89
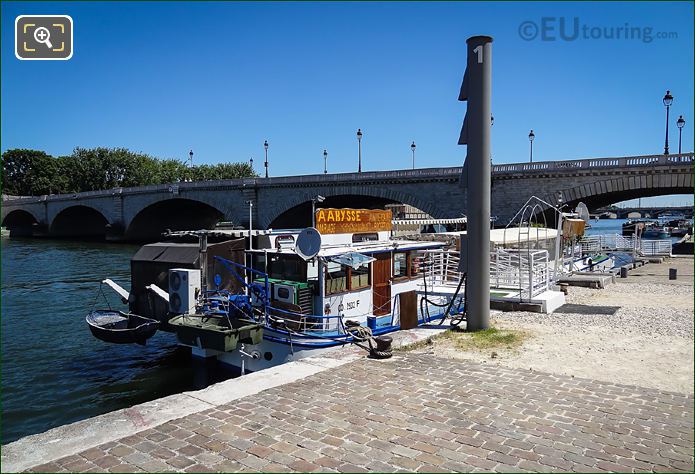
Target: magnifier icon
x=42, y=35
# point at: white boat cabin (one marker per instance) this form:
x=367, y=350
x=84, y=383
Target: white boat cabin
x=355, y=275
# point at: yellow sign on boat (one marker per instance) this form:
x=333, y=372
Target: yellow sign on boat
x=351, y=221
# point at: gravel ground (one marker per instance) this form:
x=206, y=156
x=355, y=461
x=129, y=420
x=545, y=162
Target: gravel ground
x=646, y=321
x=647, y=342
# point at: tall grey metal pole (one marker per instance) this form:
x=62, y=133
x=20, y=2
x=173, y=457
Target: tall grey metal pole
x=476, y=89
x=250, y=224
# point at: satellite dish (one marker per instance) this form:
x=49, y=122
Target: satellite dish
x=308, y=243
x=583, y=211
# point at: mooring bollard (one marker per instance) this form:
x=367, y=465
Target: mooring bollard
x=623, y=272
x=672, y=273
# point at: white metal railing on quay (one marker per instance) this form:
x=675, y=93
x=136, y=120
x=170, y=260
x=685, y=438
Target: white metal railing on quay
x=655, y=247
x=528, y=271
x=616, y=242
x=597, y=243
x=591, y=244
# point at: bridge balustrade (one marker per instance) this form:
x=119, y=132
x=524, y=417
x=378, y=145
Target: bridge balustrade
x=423, y=173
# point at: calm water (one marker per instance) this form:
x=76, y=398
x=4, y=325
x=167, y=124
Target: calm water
x=53, y=371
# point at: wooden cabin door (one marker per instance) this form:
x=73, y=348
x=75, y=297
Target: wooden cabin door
x=381, y=286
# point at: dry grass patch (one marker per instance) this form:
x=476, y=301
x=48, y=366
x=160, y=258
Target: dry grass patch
x=492, y=338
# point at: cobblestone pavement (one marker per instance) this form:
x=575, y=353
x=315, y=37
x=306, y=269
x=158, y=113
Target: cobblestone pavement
x=417, y=413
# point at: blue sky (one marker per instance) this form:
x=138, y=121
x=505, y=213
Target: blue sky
x=219, y=78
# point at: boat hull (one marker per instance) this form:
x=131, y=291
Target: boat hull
x=277, y=348
x=655, y=235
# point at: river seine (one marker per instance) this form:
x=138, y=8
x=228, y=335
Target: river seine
x=53, y=370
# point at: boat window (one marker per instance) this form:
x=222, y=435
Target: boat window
x=415, y=263
x=400, y=264
x=359, y=278
x=365, y=237
x=336, y=278
x=284, y=241
x=286, y=267
x=312, y=270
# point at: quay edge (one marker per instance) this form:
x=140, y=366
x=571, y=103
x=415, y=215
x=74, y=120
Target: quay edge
x=67, y=440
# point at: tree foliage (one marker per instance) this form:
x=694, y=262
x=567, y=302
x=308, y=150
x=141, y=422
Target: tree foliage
x=33, y=172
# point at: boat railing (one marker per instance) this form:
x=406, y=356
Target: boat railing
x=292, y=321
x=261, y=293
x=616, y=242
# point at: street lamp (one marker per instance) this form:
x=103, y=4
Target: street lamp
x=531, y=136
x=251, y=163
x=314, y=200
x=668, y=100
x=680, y=123
x=325, y=162
x=412, y=147
x=265, y=145
x=359, y=150
x=190, y=164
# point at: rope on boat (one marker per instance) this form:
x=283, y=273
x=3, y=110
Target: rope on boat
x=361, y=334
x=101, y=292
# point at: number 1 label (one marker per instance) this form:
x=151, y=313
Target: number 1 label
x=479, y=51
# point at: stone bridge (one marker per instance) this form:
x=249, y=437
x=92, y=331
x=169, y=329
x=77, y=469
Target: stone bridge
x=653, y=212
x=143, y=213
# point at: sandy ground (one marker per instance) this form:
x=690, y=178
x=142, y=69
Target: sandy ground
x=648, y=342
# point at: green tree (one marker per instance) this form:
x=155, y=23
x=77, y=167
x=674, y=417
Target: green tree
x=28, y=172
x=33, y=172
x=171, y=171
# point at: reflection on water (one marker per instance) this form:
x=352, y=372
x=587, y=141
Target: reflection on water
x=53, y=371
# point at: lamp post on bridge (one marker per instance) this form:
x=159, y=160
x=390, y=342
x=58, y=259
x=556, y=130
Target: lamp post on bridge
x=668, y=100
x=325, y=161
x=412, y=147
x=265, y=145
x=531, y=136
x=680, y=123
x=251, y=163
x=190, y=164
x=359, y=150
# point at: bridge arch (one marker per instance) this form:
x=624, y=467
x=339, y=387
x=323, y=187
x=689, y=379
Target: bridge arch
x=295, y=210
x=79, y=221
x=610, y=191
x=20, y=222
x=173, y=214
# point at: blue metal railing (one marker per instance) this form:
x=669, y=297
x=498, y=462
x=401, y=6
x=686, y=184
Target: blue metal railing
x=265, y=299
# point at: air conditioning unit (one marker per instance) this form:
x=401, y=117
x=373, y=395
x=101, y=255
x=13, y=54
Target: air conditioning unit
x=285, y=293
x=184, y=288
x=292, y=292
